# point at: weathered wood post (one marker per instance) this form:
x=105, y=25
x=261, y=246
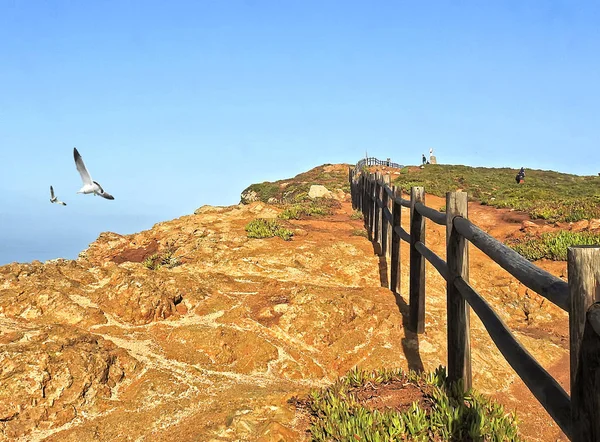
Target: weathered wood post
x=352, y=188
x=380, y=212
x=416, y=291
x=361, y=193
x=389, y=227
x=373, y=205
x=367, y=205
x=457, y=257
x=395, y=259
x=376, y=208
x=384, y=221
x=390, y=234
x=584, y=332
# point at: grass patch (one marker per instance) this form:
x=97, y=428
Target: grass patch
x=165, y=259
x=359, y=232
x=357, y=214
x=553, y=245
x=267, y=228
x=545, y=194
x=299, y=211
x=310, y=207
x=355, y=408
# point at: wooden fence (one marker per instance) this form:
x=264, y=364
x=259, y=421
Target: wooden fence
x=578, y=415
x=371, y=161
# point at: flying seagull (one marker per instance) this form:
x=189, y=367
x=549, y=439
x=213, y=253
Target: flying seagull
x=89, y=186
x=54, y=199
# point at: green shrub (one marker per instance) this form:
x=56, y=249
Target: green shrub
x=299, y=212
x=267, y=228
x=338, y=413
x=165, y=259
x=293, y=212
x=357, y=214
x=359, y=232
x=317, y=207
x=553, y=245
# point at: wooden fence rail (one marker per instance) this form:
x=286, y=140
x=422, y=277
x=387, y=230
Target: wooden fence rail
x=381, y=204
x=371, y=161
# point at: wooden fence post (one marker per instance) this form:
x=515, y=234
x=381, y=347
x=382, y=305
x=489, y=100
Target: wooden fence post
x=352, y=187
x=457, y=258
x=384, y=221
x=584, y=334
x=389, y=227
x=366, y=212
x=417, y=263
x=395, y=276
x=361, y=193
x=375, y=209
x=373, y=205
x=380, y=193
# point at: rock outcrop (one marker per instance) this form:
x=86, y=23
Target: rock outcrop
x=319, y=191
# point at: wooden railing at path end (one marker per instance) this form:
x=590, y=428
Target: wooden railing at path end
x=381, y=204
x=372, y=161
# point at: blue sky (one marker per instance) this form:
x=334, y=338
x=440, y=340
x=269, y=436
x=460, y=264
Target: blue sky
x=183, y=103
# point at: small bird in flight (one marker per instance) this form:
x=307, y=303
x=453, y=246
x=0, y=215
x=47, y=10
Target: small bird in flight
x=54, y=199
x=89, y=186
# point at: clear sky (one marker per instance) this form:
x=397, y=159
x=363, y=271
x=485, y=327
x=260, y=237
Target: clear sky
x=177, y=104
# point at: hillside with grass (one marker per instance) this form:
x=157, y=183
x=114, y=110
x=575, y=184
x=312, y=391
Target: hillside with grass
x=545, y=194
x=293, y=190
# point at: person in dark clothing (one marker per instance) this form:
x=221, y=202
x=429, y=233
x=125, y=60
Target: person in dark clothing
x=424, y=160
x=520, y=176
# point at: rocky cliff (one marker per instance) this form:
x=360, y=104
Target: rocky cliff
x=193, y=331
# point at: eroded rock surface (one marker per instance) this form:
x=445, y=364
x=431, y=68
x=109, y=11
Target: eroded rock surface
x=211, y=344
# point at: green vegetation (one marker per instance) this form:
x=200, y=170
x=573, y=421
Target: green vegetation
x=295, y=190
x=553, y=245
x=545, y=194
x=165, y=259
x=357, y=214
x=441, y=411
x=309, y=207
x=359, y=232
x=267, y=228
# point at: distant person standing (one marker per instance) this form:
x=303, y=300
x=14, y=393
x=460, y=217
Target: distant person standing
x=520, y=176
x=423, y=160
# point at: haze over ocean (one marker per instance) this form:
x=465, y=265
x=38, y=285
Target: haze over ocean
x=166, y=100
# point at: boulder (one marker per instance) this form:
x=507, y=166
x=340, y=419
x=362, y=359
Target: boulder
x=580, y=225
x=594, y=224
x=528, y=225
x=319, y=191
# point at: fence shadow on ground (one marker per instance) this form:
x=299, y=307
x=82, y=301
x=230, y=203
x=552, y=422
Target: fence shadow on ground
x=410, y=342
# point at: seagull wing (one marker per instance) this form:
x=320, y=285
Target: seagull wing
x=108, y=196
x=51, y=192
x=85, y=175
